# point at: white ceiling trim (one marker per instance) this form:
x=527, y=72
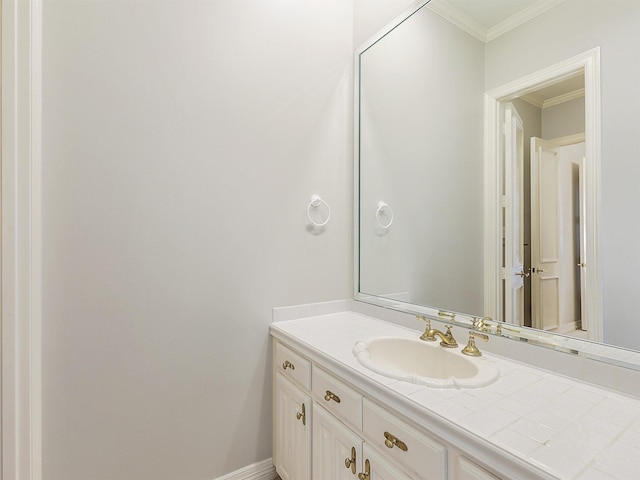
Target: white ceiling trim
x=521, y=17
x=536, y=101
x=479, y=31
x=459, y=19
x=533, y=99
x=567, y=97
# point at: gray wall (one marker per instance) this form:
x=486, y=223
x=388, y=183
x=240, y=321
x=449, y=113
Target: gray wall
x=573, y=27
x=182, y=141
x=371, y=16
x=564, y=119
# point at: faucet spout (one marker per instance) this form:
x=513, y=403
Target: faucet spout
x=447, y=339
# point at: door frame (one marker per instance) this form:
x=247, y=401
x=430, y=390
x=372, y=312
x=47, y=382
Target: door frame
x=589, y=63
x=21, y=239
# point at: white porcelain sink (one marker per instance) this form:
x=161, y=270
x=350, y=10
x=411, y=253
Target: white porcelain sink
x=425, y=363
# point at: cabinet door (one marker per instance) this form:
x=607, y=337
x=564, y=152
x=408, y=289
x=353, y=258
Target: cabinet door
x=379, y=468
x=292, y=455
x=420, y=454
x=337, y=451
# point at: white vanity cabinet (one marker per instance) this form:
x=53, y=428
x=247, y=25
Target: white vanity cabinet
x=340, y=454
x=468, y=470
x=292, y=452
x=379, y=468
x=337, y=451
x=292, y=414
x=326, y=430
x=422, y=456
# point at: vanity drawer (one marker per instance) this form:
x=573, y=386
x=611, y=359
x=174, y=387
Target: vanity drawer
x=424, y=457
x=293, y=365
x=340, y=399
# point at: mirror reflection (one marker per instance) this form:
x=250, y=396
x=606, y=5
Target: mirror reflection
x=498, y=162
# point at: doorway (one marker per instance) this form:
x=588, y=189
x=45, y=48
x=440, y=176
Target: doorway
x=556, y=244
x=542, y=199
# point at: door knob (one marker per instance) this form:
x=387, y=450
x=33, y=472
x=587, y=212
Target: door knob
x=302, y=415
x=288, y=364
x=351, y=462
x=391, y=441
x=523, y=274
x=332, y=396
x=366, y=475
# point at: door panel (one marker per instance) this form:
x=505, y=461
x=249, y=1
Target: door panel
x=292, y=455
x=381, y=469
x=514, y=216
x=545, y=235
x=334, y=446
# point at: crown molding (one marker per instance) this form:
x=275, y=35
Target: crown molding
x=459, y=19
x=520, y=18
x=536, y=101
x=533, y=99
x=565, y=97
x=474, y=28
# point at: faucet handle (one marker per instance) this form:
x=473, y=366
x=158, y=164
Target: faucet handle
x=471, y=348
x=426, y=320
x=451, y=315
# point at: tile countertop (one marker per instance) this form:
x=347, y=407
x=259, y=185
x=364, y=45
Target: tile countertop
x=566, y=428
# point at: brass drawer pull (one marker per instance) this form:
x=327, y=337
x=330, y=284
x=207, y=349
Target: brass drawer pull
x=332, y=396
x=391, y=441
x=288, y=364
x=367, y=471
x=351, y=462
x=302, y=415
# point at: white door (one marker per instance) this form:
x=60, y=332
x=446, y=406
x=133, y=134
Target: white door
x=337, y=451
x=514, y=216
x=545, y=236
x=292, y=455
x=582, y=265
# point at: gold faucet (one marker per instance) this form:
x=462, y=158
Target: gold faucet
x=447, y=338
x=482, y=324
x=425, y=320
x=471, y=349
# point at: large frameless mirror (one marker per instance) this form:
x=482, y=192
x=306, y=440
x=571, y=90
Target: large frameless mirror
x=496, y=169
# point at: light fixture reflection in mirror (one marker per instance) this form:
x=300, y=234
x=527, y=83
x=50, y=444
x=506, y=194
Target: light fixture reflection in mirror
x=426, y=90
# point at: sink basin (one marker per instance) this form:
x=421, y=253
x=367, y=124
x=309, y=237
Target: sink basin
x=425, y=363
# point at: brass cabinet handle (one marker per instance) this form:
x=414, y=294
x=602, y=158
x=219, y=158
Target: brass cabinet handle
x=332, y=396
x=302, y=415
x=351, y=462
x=367, y=471
x=288, y=364
x=391, y=441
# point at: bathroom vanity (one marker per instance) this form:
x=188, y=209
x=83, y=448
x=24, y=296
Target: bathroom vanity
x=336, y=419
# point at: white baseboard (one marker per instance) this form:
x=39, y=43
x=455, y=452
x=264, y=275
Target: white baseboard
x=258, y=471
